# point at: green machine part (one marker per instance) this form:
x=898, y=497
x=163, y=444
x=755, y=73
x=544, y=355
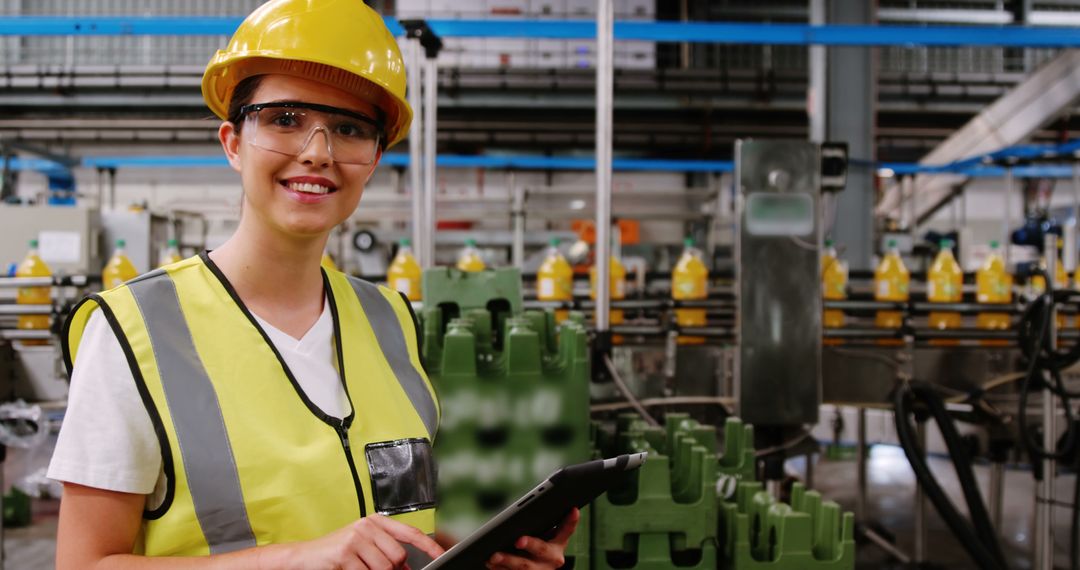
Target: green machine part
x=760, y=533
x=666, y=512
x=514, y=393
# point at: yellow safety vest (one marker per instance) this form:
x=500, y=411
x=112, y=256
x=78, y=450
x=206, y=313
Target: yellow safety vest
x=248, y=458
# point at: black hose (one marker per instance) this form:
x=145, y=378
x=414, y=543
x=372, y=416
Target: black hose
x=1044, y=362
x=977, y=536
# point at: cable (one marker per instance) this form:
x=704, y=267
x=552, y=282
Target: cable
x=783, y=446
x=977, y=536
x=1043, y=361
x=627, y=393
x=721, y=401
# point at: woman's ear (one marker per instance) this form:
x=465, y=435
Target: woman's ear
x=230, y=143
x=374, y=163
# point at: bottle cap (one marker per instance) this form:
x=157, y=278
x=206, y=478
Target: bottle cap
x=554, y=242
x=120, y=242
x=173, y=243
x=470, y=242
x=33, y=243
x=406, y=242
x=828, y=243
x=994, y=244
x=688, y=242
x=891, y=243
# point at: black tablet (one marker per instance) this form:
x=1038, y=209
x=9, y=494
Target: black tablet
x=539, y=511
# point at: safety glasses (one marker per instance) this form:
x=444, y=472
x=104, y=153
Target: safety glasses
x=288, y=128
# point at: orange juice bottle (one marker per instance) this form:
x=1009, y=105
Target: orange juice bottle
x=119, y=268
x=944, y=284
x=993, y=284
x=891, y=283
x=690, y=281
x=172, y=254
x=1061, y=280
x=33, y=266
x=618, y=292
x=834, y=280
x=404, y=272
x=469, y=259
x=555, y=279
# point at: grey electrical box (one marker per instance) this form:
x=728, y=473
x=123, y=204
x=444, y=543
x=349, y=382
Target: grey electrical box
x=779, y=287
x=69, y=238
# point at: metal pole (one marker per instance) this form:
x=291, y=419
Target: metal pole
x=997, y=493
x=818, y=68
x=1076, y=191
x=605, y=34
x=861, y=452
x=416, y=168
x=518, y=250
x=431, y=91
x=920, y=501
x=1044, y=493
x=913, y=212
x=1007, y=213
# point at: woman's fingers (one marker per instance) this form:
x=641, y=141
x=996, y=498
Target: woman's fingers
x=406, y=534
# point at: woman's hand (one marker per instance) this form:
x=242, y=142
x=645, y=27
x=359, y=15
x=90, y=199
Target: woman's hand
x=374, y=542
x=542, y=555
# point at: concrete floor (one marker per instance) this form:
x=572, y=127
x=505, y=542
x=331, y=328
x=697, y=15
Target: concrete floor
x=892, y=487
x=891, y=500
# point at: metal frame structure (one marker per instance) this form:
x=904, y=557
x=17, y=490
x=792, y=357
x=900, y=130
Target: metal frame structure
x=605, y=31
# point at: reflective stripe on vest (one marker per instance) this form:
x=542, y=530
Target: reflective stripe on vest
x=392, y=342
x=200, y=429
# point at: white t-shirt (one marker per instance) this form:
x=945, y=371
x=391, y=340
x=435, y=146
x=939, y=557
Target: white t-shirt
x=107, y=440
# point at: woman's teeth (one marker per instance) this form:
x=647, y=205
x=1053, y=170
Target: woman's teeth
x=308, y=188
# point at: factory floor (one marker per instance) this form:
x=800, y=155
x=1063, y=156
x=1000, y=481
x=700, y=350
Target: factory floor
x=891, y=484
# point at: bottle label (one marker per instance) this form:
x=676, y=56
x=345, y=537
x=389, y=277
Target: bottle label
x=620, y=289
x=404, y=285
x=547, y=287
x=883, y=289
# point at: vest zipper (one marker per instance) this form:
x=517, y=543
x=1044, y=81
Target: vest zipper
x=343, y=433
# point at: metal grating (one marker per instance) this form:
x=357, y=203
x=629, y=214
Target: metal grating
x=118, y=50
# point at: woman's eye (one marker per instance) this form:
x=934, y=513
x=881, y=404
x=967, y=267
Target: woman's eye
x=351, y=130
x=285, y=120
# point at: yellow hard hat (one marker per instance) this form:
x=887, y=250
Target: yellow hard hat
x=343, y=43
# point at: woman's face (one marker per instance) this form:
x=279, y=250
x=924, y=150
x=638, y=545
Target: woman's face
x=303, y=195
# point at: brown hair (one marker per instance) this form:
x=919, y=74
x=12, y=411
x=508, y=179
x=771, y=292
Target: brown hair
x=241, y=96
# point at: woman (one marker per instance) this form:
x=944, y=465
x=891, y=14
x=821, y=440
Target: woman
x=243, y=408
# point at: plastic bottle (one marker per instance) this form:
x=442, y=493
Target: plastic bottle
x=1061, y=279
x=993, y=284
x=172, y=254
x=618, y=292
x=891, y=283
x=33, y=266
x=834, y=280
x=469, y=259
x=119, y=268
x=690, y=281
x=327, y=262
x=555, y=279
x=944, y=284
x=404, y=272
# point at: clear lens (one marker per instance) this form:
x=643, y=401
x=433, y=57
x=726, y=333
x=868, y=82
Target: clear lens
x=290, y=130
